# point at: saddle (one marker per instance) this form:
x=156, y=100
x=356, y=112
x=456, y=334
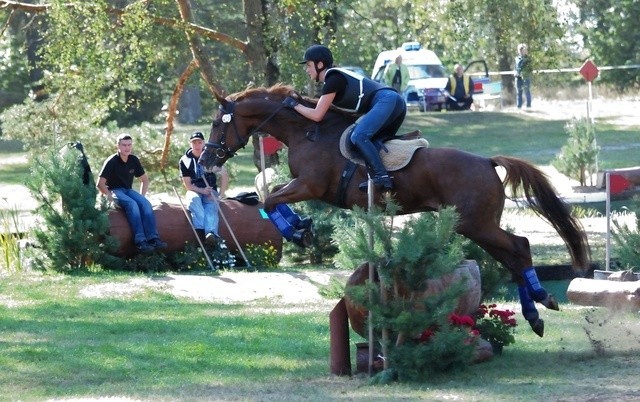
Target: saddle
x=395, y=152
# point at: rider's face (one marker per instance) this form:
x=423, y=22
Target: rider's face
x=310, y=68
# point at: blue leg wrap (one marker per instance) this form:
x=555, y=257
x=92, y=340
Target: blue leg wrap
x=533, y=284
x=285, y=220
x=529, y=310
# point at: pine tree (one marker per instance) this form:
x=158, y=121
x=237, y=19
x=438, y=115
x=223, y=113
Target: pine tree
x=579, y=155
x=425, y=248
x=74, y=231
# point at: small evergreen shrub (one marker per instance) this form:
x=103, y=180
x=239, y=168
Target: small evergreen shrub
x=425, y=248
x=627, y=243
x=578, y=157
x=73, y=235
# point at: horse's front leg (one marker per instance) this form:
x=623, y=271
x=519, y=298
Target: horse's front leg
x=295, y=191
x=291, y=226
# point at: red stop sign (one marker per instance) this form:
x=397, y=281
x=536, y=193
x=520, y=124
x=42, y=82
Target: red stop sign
x=589, y=70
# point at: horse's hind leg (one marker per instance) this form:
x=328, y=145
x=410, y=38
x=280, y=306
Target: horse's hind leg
x=514, y=253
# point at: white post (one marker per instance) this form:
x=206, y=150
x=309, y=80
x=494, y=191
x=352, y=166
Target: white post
x=370, y=191
x=608, y=212
x=263, y=167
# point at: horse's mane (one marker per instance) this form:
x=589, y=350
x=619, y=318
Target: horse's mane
x=279, y=89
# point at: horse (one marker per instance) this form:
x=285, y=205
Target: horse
x=434, y=178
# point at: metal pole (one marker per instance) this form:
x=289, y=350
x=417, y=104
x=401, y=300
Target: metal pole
x=608, y=212
x=370, y=191
x=193, y=229
x=224, y=218
x=188, y=216
x=263, y=167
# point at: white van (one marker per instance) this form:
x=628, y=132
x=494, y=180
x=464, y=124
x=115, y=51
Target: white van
x=425, y=72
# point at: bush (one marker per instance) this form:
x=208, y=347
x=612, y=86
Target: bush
x=578, y=157
x=627, y=240
x=74, y=232
x=425, y=248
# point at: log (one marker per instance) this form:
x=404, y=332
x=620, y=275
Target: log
x=245, y=220
x=611, y=294
x=468, y=302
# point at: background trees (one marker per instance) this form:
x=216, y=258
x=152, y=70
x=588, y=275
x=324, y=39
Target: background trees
x=123, y=58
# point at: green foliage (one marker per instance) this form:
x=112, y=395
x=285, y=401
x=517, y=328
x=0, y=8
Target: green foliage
x=577, y=159
x=325, y=217
x=74, y=231
x=610, y=34
x=191, y=259
x=627, y=242
x=425, y=248
x=262, y=256
x=445, y=354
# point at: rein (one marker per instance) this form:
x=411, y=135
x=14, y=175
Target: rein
x=227, y=117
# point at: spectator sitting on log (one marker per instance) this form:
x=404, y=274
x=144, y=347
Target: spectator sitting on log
x=202, y=195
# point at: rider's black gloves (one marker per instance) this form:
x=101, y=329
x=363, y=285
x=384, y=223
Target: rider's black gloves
x=289, y=102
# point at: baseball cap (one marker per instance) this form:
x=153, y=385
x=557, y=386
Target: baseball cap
x=196, y=136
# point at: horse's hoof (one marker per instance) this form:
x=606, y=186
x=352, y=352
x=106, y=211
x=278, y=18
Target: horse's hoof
x=551, y=303
x=305, y=223
x=537, y=326
x=303, y=238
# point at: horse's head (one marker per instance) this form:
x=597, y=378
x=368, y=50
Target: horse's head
x=241, y=115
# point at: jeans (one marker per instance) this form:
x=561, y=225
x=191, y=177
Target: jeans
x=204, y=211
x=139, y=213
x=385, y=116
x=523, y=84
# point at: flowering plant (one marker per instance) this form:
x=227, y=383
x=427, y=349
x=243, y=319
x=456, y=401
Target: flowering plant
x=463, y=322
x=496, y=326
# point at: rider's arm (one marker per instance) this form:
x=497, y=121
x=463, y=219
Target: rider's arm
x=316, y=114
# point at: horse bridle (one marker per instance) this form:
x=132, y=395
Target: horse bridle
x=227, y=118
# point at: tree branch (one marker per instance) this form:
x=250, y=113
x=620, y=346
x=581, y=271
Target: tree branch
x=206, y=32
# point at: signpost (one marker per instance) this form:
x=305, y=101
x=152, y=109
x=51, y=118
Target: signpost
x=589, y=72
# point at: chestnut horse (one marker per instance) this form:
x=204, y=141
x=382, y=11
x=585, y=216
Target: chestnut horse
x=434, y=178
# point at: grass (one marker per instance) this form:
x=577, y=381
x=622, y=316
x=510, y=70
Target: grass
x=14, y=173
x=149, y=345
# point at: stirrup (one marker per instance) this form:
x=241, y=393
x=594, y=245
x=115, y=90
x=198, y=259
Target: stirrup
x=383, y=181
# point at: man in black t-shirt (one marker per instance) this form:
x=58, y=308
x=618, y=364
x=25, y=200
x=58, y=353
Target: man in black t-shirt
x=116, y=180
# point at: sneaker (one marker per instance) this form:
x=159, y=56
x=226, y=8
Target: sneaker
x=157, y=244
x=144, y=247
x=212, y=239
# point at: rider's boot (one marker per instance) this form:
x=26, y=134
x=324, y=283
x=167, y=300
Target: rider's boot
x=370, y=154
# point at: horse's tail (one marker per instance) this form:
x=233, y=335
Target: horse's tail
x=541, y=196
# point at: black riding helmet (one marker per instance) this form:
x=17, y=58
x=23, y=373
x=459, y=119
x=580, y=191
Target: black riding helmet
x=318, y=53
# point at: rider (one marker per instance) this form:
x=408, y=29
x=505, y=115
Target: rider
x=383, y=108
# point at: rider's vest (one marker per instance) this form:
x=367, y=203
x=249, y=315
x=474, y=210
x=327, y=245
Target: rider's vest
x=359, y=91
x=465, y=82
